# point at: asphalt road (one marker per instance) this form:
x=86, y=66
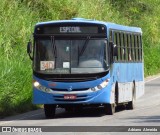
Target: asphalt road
x=146, y=113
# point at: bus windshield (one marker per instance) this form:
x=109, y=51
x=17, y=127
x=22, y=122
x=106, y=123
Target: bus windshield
x=70, y=56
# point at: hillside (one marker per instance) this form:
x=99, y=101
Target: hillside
x=17, y=20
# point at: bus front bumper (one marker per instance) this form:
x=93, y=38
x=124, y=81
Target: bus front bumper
x=98, y=97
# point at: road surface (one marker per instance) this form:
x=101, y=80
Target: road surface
x=146, y=113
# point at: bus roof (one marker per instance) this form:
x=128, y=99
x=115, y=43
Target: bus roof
x=109, y=25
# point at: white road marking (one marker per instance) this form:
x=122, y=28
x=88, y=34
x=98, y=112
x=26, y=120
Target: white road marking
x=152, y=79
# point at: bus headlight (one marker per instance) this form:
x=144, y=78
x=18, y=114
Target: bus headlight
x=100, y=86
x=36, y=84
x=40, y=87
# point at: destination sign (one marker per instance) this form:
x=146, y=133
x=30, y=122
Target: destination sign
x=71, y=29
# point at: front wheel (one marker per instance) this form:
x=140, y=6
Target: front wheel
x=49, y=110
x=109, y=109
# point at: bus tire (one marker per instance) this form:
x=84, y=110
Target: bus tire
x=109, y=109
x=131, y=104
x=49, y=110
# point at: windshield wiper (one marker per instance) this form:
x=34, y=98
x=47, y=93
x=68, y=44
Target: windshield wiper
x=83, y=48
x=54, y=49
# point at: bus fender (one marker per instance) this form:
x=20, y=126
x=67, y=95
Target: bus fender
x=114, y=94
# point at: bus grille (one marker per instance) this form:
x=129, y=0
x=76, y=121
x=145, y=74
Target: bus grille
x=84, y=89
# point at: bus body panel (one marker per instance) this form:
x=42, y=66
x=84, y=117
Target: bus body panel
x=126, y=74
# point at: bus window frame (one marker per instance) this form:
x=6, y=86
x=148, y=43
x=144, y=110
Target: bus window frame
x=128, y=43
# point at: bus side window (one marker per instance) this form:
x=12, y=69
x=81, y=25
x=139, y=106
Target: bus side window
x=136, y=48
x=129, y=47
x=139, y=47
x=122, y=47
x=110, y=39
x=133, y=47
x=118, y=46
x=138, y=57
x=140, y=42
x=115, y=42
x=126, y=47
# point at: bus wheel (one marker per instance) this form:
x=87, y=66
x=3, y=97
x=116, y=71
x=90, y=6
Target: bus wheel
x=131, y=104
x=49, y=110
x=109, y=109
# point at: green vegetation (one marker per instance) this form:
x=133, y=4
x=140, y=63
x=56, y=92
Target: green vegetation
x=17, y=20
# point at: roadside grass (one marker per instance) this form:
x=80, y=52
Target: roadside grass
x=17, y=20
x=16, y=85
x=15, y=67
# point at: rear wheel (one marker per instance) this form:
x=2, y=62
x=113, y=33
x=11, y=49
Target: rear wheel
x=49, y=110
x=131, y=104
x=109, y=109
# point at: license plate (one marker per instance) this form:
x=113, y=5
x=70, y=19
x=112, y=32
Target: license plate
x=70, y=97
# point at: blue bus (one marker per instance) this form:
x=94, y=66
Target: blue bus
x=83, y=62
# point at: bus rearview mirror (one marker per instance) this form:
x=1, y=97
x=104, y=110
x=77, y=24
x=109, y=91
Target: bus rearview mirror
x=29, y=49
